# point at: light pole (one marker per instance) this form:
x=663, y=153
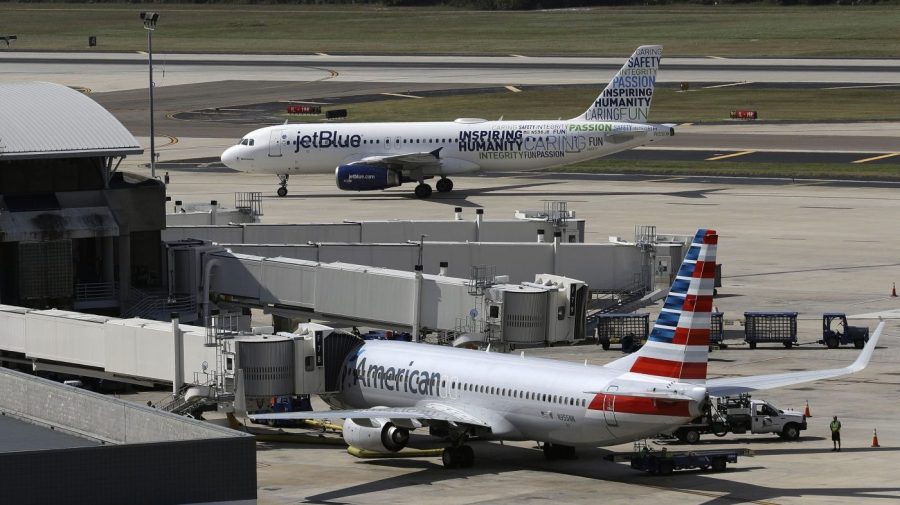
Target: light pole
x=150, y=19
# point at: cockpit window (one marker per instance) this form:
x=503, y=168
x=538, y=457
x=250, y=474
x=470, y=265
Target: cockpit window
x=251, y=142
x=244, y=142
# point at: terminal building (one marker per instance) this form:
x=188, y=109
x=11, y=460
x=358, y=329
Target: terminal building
x=75, y=233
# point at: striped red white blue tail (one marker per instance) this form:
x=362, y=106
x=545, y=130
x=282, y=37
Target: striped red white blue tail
x=678, y=345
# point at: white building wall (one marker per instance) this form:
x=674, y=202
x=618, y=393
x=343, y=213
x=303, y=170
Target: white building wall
x=402, y=231
x=300, y=233
x=220, y=234
x=12, y=328
x=394, y=256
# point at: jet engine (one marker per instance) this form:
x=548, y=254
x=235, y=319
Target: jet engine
x=379, y=435
x=366, y=177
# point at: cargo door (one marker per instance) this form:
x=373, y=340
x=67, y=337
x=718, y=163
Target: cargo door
x=609, y=406
x=275, y=142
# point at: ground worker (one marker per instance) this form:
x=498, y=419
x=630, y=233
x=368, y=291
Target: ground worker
x=836, y=434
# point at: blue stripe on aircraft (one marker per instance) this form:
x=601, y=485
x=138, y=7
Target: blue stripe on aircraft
x=674, y=303
x=668, y=318
x=693, y=253
x=687, y=269
x=680, y=285
x=662, y=335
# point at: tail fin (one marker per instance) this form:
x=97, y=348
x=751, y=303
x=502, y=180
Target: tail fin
x=627, y=96
x=679, y=343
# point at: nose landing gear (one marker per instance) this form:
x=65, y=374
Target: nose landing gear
x=282, y=191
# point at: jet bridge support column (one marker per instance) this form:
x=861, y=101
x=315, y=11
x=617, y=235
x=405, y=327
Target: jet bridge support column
x=417, y=303
x=178, y=337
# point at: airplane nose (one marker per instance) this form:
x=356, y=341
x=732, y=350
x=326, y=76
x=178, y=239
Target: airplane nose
x=229, y=158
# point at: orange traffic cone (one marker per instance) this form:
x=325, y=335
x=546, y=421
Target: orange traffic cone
x=875, y=438
x=806, y=413
x=894, y=290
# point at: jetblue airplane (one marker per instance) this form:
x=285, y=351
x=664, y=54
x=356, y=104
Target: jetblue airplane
x=390, y=388
x=375, y=156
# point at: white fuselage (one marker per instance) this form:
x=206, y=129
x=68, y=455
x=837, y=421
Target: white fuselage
x=521, y=398
x=466, y=145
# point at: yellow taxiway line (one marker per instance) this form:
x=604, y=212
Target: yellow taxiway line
x=873, y=158
x=732, y=155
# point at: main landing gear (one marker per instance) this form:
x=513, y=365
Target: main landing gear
x=556, y=451
x=458, y=455
x=423, y=190
x=282, y=191
x=443, y=184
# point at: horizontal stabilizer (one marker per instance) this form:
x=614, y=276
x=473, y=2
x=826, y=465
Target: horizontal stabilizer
x=656, y=395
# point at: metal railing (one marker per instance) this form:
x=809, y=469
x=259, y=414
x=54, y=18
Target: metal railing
x=154, y=306
x=249, y=202
x=90, y=291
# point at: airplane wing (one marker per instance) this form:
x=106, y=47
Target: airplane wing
x=734, y=385
x=425, y=411
x=409, y=160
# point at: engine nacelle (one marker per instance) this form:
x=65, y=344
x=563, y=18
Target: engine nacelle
x=365, y=177
x=379, y=435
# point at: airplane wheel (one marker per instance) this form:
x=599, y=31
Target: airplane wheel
x=691, y=436
x=423, y=190
x=444, y=185
x=282, y=191
x=451, y=458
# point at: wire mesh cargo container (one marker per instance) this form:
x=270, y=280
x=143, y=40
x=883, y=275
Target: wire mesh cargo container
x=630, y=330
x=716, y=329
x=770, y=327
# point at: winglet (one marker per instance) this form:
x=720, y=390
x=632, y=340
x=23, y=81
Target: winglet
x=734, y=385
x=436, y=153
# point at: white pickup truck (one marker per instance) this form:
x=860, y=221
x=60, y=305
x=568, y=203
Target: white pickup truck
x=741, y=414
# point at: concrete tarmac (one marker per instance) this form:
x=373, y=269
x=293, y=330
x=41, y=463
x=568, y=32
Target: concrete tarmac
x=811, y=247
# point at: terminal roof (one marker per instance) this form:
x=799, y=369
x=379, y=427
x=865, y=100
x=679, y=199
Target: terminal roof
x=46, y=120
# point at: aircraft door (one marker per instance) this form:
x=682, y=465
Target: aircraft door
x=387, y=143
x=609, y=407
x=275, y=142
x=397, y=143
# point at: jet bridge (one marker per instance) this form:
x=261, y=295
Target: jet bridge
x=552, y=308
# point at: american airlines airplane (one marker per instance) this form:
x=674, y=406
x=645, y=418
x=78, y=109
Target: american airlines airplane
x=390, y=388
x=375, y=156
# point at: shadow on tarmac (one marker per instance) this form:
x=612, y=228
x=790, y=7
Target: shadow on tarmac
x=494, y=459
